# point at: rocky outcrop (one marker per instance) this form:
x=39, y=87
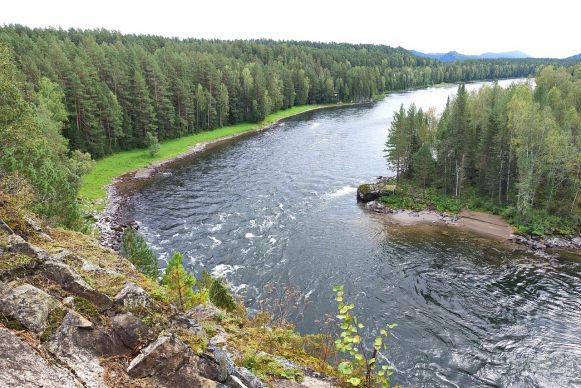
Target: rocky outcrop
x=28, y=305
x=170, y=362
x=131, y=296
x=80, y=347
x=371, y=191
x=70, y=281
x=84, y=338
x=21, y=366
x=131, y=330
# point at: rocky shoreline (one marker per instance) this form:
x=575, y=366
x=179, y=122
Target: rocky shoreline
x=117, y=213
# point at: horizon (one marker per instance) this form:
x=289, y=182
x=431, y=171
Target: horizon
x=337, y=22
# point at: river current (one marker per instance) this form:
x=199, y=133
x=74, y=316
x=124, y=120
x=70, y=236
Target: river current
x=278, y=208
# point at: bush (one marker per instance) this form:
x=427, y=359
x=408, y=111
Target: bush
x=152, y=144
x=220, y=296
x=136, y=250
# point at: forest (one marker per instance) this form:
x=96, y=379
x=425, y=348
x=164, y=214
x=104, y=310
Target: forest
x=513, y=151
x=117, y=88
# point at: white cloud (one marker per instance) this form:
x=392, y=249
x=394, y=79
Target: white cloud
x=471, y=27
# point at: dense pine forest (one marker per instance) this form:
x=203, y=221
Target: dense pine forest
x=118, y=87
x=513, y=150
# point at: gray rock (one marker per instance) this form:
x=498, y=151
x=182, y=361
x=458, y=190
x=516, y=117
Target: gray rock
x=71, y=281
x=81, y=349
x=171, y=362
x=5, y=227
x=131, y=330
x=377, y=207
x=226, y=365
x=28, y=305
x=247, y=378
x=201, y=312
x=190, y=324
x=132, y=296
x=18, y=245
x=69, y=301
x=21, y=366
x=371, y=191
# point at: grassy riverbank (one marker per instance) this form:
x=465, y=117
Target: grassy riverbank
x=110, y=167
x=536, y=222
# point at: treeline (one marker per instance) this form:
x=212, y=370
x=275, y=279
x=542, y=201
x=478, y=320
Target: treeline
x=518, y=148
x=118, y=87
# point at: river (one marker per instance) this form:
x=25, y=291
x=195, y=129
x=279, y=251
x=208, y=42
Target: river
x=278, y=208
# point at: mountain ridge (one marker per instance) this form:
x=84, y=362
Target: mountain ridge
x=452, y=56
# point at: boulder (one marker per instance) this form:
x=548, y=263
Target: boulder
x=235, y=376
x=19, y=245
x=28, y=305
x=377, y=207
x=371, y=191
x=171, y=362
x=80, y=348
x=21, y=366
x=132, y=296
x=190, y=324
x=71, y=281
x=203, y=313
x=131, y=330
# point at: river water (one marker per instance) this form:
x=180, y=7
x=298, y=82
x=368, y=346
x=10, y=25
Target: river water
x=278, y=208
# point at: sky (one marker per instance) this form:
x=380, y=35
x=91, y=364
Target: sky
x=550, y=28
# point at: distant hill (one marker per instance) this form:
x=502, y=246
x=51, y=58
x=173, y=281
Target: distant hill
x=574, y=57
x=456, y=56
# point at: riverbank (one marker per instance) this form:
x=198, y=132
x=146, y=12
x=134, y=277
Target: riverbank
x=107, y=190
x=93, y=187
x=407, y=205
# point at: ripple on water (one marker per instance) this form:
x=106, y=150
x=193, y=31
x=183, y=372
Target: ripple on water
x=282, y=205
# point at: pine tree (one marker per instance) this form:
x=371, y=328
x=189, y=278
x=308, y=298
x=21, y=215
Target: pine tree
x=135, y=248
x=179, y=283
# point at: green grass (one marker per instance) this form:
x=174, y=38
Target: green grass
x=110, y=167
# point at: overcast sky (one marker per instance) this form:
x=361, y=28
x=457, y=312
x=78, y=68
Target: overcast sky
x=550, y=28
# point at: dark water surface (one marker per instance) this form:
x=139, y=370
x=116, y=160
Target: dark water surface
x=279, y=207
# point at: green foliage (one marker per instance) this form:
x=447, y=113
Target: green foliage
x=120, y=87
x=179, y=283
x=266, y=367
x=361, y=368
x=34, y=150
x=152, y=144
x=135, y=248
x=512, y=150
x=220, y=296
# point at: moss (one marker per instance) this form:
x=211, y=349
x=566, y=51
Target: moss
x=197, y=343
x=209, y=328
x=10, y=323
x=364, y=188
x=88, y=309
x=55, y=318
x=12, y=261
x=267, y=368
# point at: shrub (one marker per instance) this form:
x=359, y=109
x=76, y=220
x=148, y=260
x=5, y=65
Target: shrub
x=220, y=296
x=152, y=144
x=179, y=283
x=362, y=368
x=135, y=248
